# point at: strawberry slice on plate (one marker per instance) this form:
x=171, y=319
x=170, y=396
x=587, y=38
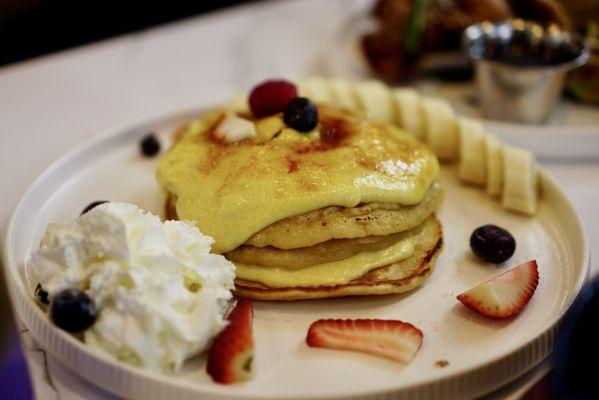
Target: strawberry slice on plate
x=396, y=340
x=231, y=355
x=506, y=294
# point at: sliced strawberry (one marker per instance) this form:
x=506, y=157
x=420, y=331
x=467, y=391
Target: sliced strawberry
x=392, y=339
x=506, y=294
x=230, y=358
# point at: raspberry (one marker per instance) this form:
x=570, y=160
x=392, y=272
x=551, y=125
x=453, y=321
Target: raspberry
x=271, y=97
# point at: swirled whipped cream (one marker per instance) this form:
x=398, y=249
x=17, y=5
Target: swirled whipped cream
x=160, y=294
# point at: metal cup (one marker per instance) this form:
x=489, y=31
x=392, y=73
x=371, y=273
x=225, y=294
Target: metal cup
x=520, y=67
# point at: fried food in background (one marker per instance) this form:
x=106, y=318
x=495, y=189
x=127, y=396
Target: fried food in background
x=408, y=30
x=583, y=83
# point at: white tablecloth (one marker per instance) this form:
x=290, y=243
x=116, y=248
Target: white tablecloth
x=52, y=103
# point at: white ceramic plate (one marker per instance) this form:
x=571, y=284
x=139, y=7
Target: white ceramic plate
x=571, y=133
x=482, y=354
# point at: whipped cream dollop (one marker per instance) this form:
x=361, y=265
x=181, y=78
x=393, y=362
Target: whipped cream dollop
x=160, y=294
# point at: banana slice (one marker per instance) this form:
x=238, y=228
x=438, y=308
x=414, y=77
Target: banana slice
x=441, y=127
x=239, y=104
x=472, y=167
x=520, y=180
x=374, y=100
x=494, y=153
x=303, y=89
x=316, y=89
x=342, y=93
x=406, y=104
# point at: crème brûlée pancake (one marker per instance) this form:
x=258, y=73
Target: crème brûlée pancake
x=345, y=209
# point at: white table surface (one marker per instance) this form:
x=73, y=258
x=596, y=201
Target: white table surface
x=50, y=104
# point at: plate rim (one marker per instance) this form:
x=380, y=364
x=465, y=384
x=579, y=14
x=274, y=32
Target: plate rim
x=70, y=351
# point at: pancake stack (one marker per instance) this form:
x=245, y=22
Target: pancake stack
x=347, y=209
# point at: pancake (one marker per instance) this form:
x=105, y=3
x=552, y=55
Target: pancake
x=329, y=223
x=321, y=253
x=346, y=209
x=397, y=277
x=341, y=222
x=234, y=190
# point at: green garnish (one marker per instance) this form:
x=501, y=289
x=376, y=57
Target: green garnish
x=415, y=26
x=247, y=367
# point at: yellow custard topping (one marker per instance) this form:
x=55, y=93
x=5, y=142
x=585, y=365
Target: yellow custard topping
x=329, y=274
x=233, y=190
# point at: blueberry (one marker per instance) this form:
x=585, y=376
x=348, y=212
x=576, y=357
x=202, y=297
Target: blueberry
x=492, y=243
x=301, y=114
x=41, y=295
x=150, y=146
x=73, y=310
x=92, y=205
